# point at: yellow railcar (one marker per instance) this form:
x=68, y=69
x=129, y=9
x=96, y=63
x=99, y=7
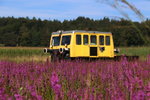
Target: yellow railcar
x=81, y=44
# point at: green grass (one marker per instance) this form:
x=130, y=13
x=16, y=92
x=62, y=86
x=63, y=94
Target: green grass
x=21, y=54
x=20, y=51
x=142, y=52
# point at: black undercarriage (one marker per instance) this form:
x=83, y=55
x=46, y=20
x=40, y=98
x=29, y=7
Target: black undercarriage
x=59, y=54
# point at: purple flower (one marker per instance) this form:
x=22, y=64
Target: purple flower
x=120, y=80
x=2, y=91
x=3, y=96
x=139, y=95
x=39, y=97
x=54, y=79
x=33, y=94
x=18, y=97
x=54, y=82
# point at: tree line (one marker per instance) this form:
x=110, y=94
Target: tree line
x=37, y=32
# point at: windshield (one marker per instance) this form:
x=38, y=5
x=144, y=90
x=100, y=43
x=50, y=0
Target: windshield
x=66, y=40
x=56, y=41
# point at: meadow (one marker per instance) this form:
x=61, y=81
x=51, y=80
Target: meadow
x=142, y=52
x=21, y=54
x=26, y=74
x=77, y=80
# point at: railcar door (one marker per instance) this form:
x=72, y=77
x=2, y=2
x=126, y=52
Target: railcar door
x=85, y=45
x=104, y=46
x=93, y=46
x=78, y=47
x=82, y=45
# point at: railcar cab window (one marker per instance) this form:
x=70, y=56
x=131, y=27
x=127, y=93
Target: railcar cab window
x=101, y=40
x=78, y=39
x=85, y=39
x=56, y=41
x=66, y=40
x=93, y=40
x=107, y=40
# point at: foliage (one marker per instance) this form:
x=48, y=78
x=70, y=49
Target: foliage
x=75, y=80
x=35, y=32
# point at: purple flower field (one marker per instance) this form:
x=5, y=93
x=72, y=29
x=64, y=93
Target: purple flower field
x=75, y=80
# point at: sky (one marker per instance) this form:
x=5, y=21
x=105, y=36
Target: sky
x=69, y=9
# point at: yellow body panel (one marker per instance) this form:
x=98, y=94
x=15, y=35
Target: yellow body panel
x=88, y=50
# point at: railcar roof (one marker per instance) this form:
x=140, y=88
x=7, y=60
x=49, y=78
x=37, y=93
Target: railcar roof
x=79, y=31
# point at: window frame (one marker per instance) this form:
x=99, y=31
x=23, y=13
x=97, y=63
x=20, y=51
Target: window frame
x=95, y=40
x=62, y=39
x=106, y=41
x=86, y=42
x=52, y=41
x=101, y=40
x=78, y=42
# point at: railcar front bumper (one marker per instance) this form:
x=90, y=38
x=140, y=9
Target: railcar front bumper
x=61, y=53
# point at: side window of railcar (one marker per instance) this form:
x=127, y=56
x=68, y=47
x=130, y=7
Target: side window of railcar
x=101, y=40
x=78, y=39
x=85, y=39
x=107, y=40
x=66, y=40
x=93, y=40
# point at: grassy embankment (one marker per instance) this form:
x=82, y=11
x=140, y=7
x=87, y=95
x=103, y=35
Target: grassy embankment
x=142, y=52
x=21, y=54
